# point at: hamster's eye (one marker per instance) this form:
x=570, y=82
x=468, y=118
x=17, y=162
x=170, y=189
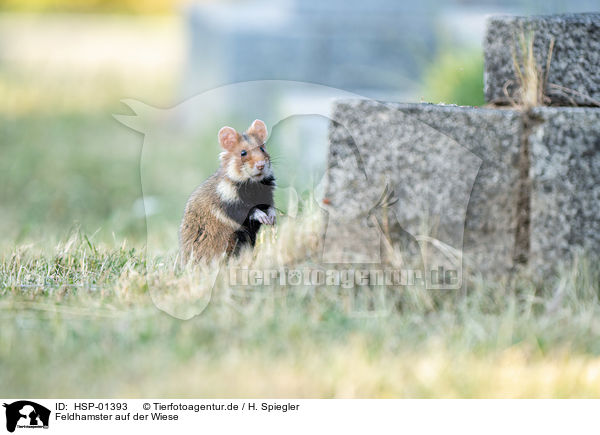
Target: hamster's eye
x=262, y=149
x=244, y=153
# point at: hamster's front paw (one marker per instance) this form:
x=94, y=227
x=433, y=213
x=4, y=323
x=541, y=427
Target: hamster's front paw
x=272, y=214
x=261, y=216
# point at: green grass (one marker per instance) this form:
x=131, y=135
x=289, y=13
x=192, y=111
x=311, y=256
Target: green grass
x=80, y=321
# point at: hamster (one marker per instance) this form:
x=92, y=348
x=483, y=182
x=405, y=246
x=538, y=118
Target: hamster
x=223, y=215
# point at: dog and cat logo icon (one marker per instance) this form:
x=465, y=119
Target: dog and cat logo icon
x=24, y=414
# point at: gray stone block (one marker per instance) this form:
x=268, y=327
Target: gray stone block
x=455, y=171
x=575, y=63
x=564, y=149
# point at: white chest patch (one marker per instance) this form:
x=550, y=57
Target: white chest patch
x=227, y=191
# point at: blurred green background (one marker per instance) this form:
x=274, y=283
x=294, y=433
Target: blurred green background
x=455, y=77
x=64, y=160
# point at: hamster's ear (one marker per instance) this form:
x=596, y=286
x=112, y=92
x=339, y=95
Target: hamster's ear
x=228, y=138
x=259, y=130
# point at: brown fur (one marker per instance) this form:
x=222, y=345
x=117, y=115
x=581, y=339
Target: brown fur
x=216, y=219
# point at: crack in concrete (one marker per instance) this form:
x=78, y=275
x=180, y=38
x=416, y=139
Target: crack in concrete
x=522, y=247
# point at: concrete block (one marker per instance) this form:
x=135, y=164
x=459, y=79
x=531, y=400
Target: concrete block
x=455, y=171
x=564, y=147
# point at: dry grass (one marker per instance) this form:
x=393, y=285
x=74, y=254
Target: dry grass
x=347, y=371
x=533, y=88
x=532, y=80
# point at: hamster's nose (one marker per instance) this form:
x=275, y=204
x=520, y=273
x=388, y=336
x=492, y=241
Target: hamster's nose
x=260, y=165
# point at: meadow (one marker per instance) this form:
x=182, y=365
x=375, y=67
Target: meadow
x=77, y=285
x=80, y=321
